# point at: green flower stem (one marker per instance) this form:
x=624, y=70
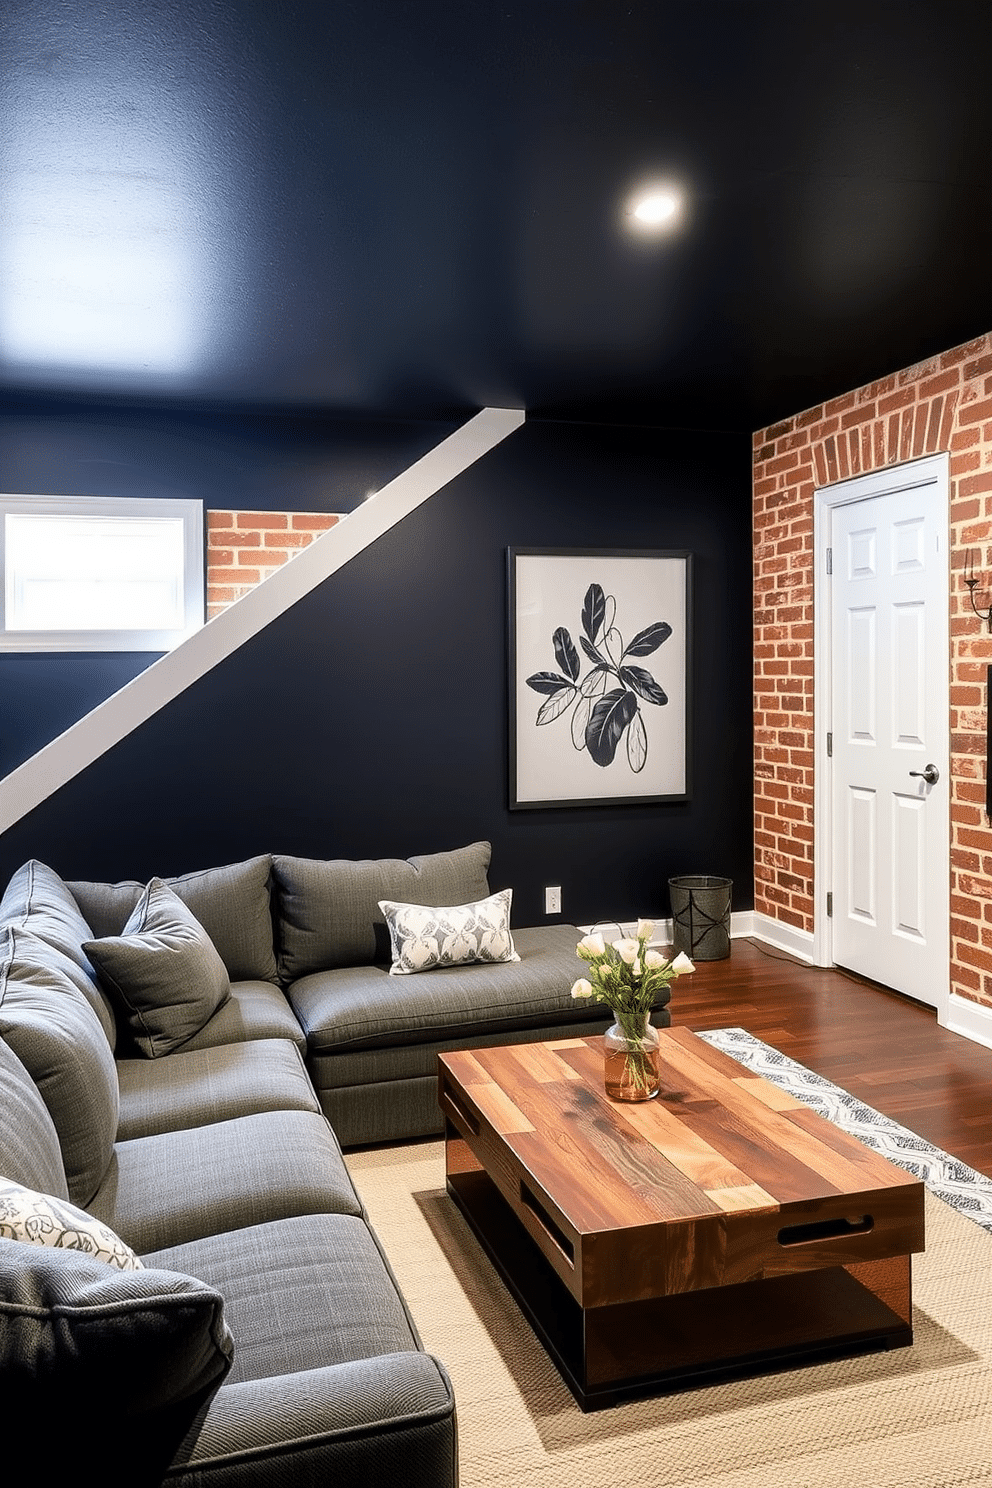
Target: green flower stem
x=639, y=1067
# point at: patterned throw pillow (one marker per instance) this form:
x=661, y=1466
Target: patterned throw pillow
x=40, y=1219
x=423, y=938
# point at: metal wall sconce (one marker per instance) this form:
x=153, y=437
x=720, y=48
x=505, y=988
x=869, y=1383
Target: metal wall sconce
x=972, y=583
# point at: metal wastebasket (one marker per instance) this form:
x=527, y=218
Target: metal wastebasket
x=701, y=915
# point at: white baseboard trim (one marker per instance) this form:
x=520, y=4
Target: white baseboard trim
x=973, y=1020
x=783, y=937
x=741, y=923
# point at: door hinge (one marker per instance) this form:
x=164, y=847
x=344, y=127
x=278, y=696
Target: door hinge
x=830, y=746
x=830, y=905
x=830, y=560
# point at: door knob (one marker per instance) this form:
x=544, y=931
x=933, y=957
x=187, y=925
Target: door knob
x=929, y=773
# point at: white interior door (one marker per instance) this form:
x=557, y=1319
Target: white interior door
x=889, y=705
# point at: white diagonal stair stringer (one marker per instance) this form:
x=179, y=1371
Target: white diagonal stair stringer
x=98, y=731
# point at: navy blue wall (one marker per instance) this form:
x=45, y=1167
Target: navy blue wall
x=371, y=719
x=227, y=460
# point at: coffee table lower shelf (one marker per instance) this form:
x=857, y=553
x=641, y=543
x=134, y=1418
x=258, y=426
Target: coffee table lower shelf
x=607, y=1354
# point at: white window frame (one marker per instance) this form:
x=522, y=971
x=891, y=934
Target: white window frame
x=192, y=578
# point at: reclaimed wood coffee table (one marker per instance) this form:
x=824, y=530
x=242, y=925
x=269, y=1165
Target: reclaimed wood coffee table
x=722, y=1227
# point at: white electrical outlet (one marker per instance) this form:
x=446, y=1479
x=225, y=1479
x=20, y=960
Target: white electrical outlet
x=552, y=900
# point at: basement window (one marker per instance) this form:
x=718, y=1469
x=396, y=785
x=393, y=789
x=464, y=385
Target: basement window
x=95, y=573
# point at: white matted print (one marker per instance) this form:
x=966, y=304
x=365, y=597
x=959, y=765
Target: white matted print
x=599, y=676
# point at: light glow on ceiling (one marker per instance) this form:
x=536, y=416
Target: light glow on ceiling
x=105, y=262
x=94, y=274
x=654, y=207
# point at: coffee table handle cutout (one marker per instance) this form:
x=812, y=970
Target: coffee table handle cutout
x=825, y=1229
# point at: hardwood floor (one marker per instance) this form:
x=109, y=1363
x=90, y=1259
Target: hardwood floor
x=885, y=1048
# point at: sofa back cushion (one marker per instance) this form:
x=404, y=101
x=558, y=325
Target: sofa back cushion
x=58, y=1038
x=37, y=900
x=28, y=1139
x=231, y=903
x=328, y=910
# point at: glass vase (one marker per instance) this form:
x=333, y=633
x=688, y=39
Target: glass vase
x=631, y=1046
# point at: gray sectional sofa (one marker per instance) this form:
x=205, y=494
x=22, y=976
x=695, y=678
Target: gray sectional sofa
x=180, y=1064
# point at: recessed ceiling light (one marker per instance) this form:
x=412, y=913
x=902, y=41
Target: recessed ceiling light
x=656, y=207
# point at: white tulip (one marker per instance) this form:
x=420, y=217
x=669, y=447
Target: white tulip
x=627, y=950
x=636, y=967
x=594, y=943
x=645, y=929
x=654, y=959
x=582, y=988
x=682, y=964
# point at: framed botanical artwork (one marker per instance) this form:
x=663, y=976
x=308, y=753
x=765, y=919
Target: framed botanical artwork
x=599, y=655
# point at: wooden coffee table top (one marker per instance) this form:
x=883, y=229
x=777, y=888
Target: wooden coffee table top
x=717, y=1180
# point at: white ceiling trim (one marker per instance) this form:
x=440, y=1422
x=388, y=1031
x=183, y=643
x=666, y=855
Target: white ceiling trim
x=58, y=762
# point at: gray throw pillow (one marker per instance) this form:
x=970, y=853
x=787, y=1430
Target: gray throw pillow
x=329, y=911
x=83, y=1343
x=163, y=971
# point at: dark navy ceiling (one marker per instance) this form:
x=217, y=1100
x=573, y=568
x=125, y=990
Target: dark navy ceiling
x=416, y=207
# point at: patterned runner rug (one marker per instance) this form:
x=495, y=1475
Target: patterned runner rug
x=950, y=1179
x=918, y=1417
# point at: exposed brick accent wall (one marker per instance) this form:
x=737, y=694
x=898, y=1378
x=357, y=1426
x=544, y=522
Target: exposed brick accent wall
x=245, y=547
x=944, y=404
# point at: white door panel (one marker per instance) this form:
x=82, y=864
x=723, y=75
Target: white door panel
x=861, y=856
x=909, y=857
x=888, y=706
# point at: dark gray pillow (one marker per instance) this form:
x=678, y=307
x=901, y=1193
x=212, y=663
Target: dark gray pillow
x=58, y=1038
x=163, y=971
x=83, y=1343
x=329, y=910
x=231, y=903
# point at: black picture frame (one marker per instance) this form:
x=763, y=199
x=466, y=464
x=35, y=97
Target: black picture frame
x=600, y=671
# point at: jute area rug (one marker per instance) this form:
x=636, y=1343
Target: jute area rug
x=914, y=1418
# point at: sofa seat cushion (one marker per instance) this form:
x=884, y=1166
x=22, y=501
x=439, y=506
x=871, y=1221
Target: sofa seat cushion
x=58, y=1037
x=178, y=1186
x=328, y=911
x=363, y=1007
x=82, y=1343
x=198, y=1087
x=299, y=1293
x=254, y=1010
x=231, y=903
x=364, y=1068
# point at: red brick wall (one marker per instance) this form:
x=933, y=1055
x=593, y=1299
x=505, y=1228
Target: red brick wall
x=244, y=547
x=944, y=404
